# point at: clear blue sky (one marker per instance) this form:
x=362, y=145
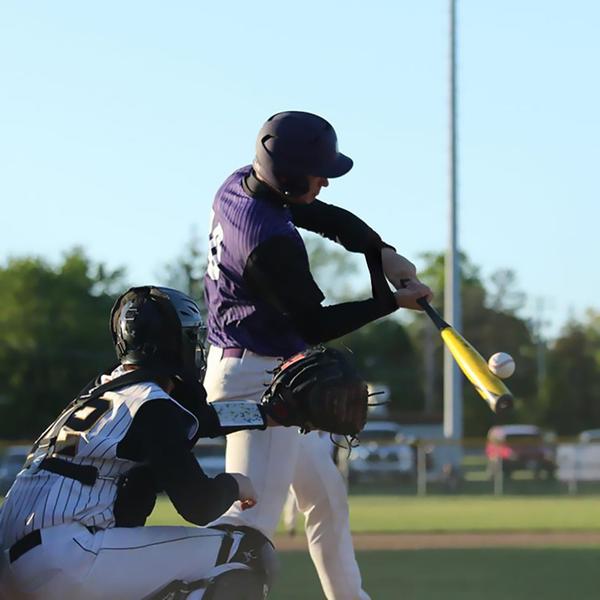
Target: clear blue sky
x=119, y=120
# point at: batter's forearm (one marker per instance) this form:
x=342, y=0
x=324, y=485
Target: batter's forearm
x=331, y=322
x=397, y=267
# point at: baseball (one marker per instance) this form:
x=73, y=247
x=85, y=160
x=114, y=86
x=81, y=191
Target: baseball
x=501, y=364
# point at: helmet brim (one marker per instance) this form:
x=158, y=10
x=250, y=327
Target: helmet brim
x=340, y=166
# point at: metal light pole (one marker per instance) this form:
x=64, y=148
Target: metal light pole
x=453, y=413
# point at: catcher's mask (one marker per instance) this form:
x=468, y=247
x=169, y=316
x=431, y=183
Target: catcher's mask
x=158, y=328
x=292, y=145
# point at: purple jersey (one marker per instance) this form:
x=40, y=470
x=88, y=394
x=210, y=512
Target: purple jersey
x=236, y=317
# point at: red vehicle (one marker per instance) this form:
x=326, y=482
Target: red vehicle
x=514, y=447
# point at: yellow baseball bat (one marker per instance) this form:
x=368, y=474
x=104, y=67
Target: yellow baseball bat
x=471, y=363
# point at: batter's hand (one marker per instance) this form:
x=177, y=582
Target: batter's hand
x=412, y=290
x=247, y=495
x=396, y=267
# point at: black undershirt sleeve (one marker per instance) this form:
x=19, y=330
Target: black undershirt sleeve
x=337, y=224
x=158, y=437
x=277, y=272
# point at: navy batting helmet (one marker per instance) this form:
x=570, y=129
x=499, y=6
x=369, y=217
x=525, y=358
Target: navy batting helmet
x=294, y=144
x=158, y=328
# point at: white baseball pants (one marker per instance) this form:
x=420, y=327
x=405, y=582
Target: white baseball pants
x=114, y=564
x=277, y=458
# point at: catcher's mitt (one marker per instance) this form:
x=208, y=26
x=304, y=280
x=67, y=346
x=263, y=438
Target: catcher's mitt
x=318, y=389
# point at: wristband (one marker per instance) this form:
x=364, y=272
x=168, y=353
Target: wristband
x=239, y=413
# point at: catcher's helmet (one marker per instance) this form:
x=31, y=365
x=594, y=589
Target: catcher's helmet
x=158, y=328
x=294, y=144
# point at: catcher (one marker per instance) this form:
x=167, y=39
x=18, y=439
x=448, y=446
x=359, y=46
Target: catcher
x=72, y=525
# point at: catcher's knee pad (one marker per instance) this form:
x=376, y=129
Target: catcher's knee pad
x=254, y=551
x=245, y=568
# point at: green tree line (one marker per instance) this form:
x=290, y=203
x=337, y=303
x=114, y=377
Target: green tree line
x=54, y=338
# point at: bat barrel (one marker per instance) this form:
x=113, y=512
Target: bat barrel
x=471, y=363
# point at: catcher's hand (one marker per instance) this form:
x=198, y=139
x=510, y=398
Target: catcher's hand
x=318, y=389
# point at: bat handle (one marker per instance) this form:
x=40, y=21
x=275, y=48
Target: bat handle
x=422, y=302
x=432, y=313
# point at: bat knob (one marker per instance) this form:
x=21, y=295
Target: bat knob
x=504, y=404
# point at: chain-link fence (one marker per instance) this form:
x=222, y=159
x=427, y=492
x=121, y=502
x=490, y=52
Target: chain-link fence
x=438, y=466
x=503, y=465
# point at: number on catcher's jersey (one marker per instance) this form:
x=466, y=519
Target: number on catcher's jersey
x=62, y=437
x=215, y=240
x=81, y=421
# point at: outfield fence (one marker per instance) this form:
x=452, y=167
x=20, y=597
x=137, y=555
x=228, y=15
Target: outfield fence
x=428, y=467
x=475, y=467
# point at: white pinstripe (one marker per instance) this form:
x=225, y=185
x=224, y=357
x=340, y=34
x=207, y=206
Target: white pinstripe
x=39, y=499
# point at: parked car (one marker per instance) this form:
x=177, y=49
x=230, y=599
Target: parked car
x=10, y=464
x=516, y=447
x=210, y=454
x=384, y=453
x=590, y=436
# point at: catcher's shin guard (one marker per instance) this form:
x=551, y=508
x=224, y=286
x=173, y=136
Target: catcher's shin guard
x=237, y=585
x=178, y=590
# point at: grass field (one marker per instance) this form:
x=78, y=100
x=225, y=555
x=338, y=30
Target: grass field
x=393, y=514
x=531, y=573
x=490, y=574
x=458, y=574
x=396, y=514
